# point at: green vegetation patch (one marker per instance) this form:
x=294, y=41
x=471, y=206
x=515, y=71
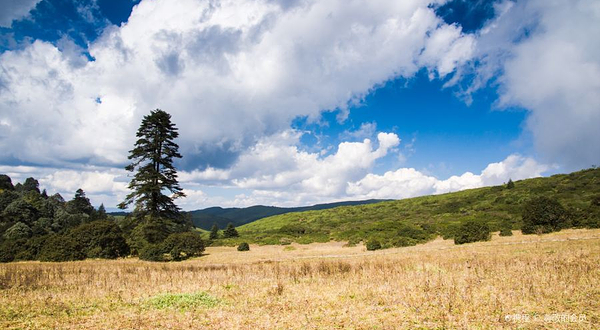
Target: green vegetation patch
x=182, y=301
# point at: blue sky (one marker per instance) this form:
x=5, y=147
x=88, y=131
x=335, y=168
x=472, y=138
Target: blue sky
x=300, y=102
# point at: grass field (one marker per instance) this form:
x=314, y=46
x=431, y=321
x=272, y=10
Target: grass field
x=550, y=281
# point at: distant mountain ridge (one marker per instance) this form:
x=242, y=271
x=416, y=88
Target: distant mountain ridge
x=205, y=218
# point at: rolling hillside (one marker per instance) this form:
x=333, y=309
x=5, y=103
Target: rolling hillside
x=239, y=216
x=415, y=220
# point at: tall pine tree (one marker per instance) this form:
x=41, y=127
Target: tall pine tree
x=152, y=157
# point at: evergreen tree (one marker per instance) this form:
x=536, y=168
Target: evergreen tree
x=6, y=182
x=101, y=212
x=510, y=184
x=230, y=231
x=80, y=203
x=152, y=156
x=214, y=232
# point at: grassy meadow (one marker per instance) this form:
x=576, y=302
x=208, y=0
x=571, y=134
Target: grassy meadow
x=531, y=282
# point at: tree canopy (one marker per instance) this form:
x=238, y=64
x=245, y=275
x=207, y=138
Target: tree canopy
x=152, y=159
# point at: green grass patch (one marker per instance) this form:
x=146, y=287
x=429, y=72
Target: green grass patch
x=182, y=301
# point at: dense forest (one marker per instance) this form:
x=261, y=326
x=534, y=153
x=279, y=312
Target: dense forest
x=35, y=226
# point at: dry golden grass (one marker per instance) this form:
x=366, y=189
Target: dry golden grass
x=543, y=280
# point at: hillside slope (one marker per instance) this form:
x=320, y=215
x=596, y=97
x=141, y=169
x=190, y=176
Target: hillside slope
x=411, y=221
x=239, y=216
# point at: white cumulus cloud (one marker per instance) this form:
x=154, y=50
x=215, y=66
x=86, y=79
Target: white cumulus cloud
x=408, y=182
x=545, y=57
x=14, y=9
x=228, y=71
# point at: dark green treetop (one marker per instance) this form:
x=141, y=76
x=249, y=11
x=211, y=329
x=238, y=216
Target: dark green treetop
x=80, y=203
x=152, y=157
x=510, y=184
x=230, y=231
x=214, y=232
x=6, y=182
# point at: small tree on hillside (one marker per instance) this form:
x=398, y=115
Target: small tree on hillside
x=230, y=231
x=543, y=215
x=510, y=184
x=214, y=232
x=153, y=156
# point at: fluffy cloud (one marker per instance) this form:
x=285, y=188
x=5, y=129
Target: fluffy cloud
x=545, y=56
x=408, y=182
x=276, y=168
x=14, y=9
x=277, y=172
x=229, y=72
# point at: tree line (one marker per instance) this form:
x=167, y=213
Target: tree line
x=35, y=226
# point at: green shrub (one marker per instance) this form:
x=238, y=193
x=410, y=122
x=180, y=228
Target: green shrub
x=61, y=248
x=403, y=241
x=543, y=215
x=472, y=231
x=31, y=249
x=152, y=252
x=411, y=231
x=243, y=247
x=373, y=245
x=101, y=239
x=148, y=232
x=9, y=249
x=181, y=246
x=292, y=229
x=506, y=232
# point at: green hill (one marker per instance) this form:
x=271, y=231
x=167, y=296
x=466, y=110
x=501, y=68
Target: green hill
x=239, y=216
x=415, y=220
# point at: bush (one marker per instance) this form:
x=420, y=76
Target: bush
x=101, y=239
x=293, y=229
x=506, y=232
x=543, y=215
x=31, y=248
x=61, y=248
x=373, y=245
x=472, y=231
x=403, y=241
x=148, y=232
x=8, y=250
x=243, y=247
x=181, y=246
x=152, y=252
